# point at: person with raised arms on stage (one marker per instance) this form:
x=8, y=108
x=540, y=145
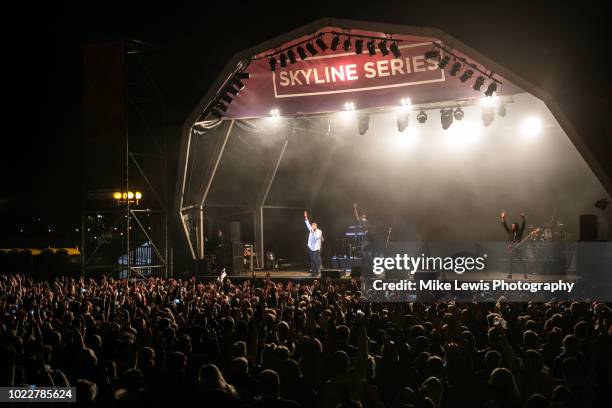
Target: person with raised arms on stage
x=515, y=236
x=315, y=238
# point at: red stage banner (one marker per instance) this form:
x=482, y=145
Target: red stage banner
x=326, y=81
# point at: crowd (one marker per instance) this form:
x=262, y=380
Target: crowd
x=183, y=343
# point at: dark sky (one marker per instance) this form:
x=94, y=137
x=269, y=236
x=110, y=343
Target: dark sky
x=560, y=46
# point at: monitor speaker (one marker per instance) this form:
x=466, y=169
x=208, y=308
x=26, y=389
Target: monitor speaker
x=588, y=227
x=356, y=271
x=237, y=255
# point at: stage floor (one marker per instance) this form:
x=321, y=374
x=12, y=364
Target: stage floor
x=303, y=275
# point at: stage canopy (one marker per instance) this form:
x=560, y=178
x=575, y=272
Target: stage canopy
x=326, y=113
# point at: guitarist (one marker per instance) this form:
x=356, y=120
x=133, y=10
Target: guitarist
x=515, y=236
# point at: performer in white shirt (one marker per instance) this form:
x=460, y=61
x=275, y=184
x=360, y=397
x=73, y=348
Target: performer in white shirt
x=315, y=238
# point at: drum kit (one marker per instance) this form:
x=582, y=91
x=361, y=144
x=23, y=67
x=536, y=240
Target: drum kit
x=553, y=231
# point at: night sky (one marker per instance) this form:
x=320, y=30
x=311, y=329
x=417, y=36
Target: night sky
x=560, y=47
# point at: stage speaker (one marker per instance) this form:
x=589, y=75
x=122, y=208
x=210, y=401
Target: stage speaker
x=331, y=273
x=237, y=255
x=588, y=227
x=356, y=271
x=235, y=231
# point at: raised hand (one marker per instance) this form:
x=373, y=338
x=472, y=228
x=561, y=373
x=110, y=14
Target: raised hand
x=523, y=214
x=503, y=214
x=305, y=214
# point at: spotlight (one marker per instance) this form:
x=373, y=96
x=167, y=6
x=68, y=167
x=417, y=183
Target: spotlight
x=455, y=69
x=217, y=113
x=358, y=46
x=501, y=109
x=466, y=75
x=491, y=89
x=335, y=42
x=364, y=123
x=403, y=120
x=238, y=83
x=432, y=55
x=458, y=114
x=226, y=98
x=371, y=47
x=346, y=45
x=302, y=53
x=446, y=118
x=444, y=62
x=349, y=106
x=406, y=103
x=382, y=46
x=395, y=50
x=275, y=113
x=283, y=60
x=311, y=49
x=291, y=56
x=479, y=83
x=422, y=116
x=488, y=114
x=232, y=89
x=272, y=62
x=321, y=44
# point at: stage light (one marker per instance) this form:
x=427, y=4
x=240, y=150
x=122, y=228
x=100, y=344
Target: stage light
x=283, y=60
x=321, y=44
x=291, y=56
x=406, y=104
x=275, y=113
x=138, y=195
x=117, y=195
x=466, y=75
x=432, y=55
x=488, y=111
x=130, y=195
x=531, y=127
x=444, y=62
x=217, y=113
x=226, y=98
x=335, y=42
x=358, y=46
x=272, y=62
x=364, y=123
x=311, y=49
x=455, y=69
x=501, y=109
x=422, y=116
x=349, y=106
x=478, y=83
x=395, y=50
x=446, y=118
x=491, y=89
x=458, y=113
x=403, y=120
x=302, y=53
x=371, y=48
x=346, y=46
x=238, y=83
x=382, y=46
x=232, y=89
